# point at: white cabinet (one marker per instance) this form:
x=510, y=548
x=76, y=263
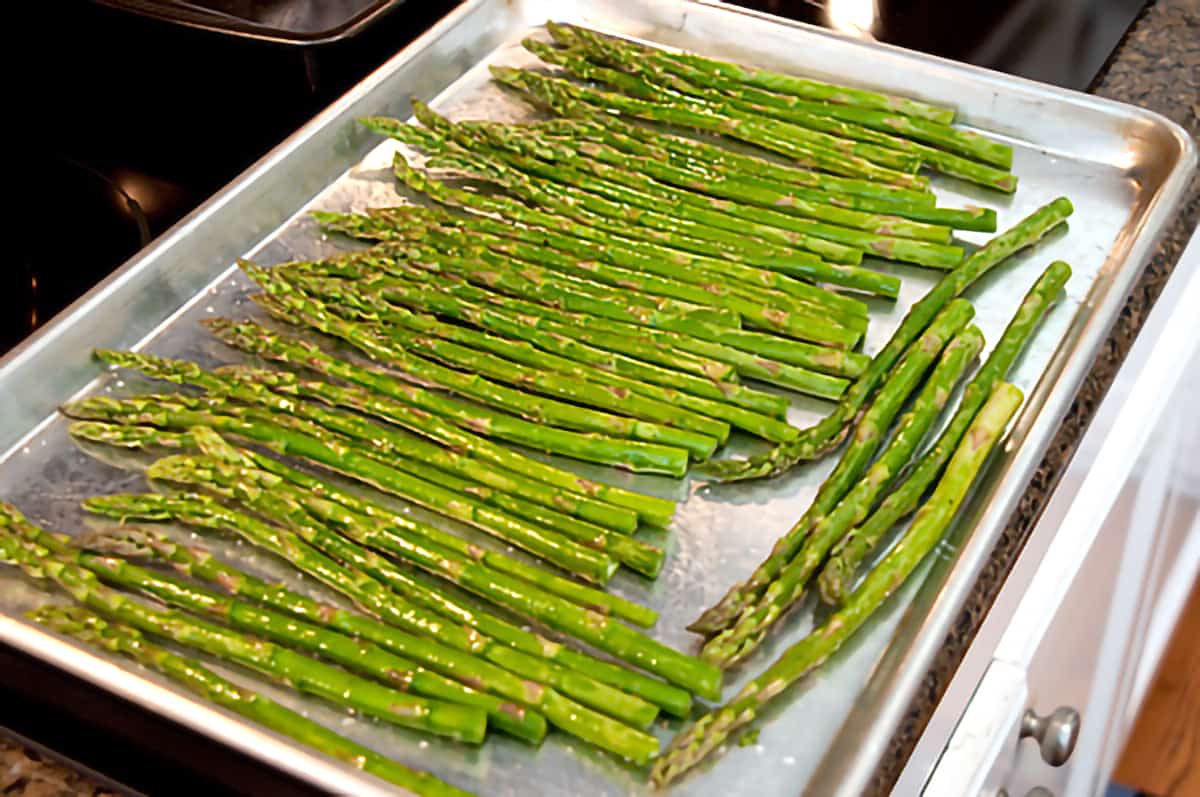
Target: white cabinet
x=1083, y=619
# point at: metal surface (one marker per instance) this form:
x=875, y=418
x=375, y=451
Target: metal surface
x=1123, y=168
x=1055, y=734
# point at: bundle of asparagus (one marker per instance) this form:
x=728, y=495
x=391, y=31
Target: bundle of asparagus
x=633, y=261
x=737, y=624
x=694, y=744
x=128, y=641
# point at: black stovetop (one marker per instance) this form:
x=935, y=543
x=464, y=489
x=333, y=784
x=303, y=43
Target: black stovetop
x=136, y=122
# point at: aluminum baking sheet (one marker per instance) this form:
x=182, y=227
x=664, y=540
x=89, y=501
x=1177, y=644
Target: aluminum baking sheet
x=1124, y=169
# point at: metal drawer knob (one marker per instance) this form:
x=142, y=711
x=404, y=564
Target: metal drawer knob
x=1056, y=734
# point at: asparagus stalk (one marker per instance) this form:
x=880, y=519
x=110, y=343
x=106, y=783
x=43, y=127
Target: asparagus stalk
x=546, y=411
x=815, y=91
x=626, y=248
x=698, y=216
x=853, y=547
x=782, y=314
x=517, y=364
x=191, y=674
x=153, y=438
x=823, y=529
x=861, y=124
x=635, y=456
x=467, y=503
x=706, y=735
x=829, y=432
x=200, y=564
x=650, y=83
x=622, y=177
x=679, y=237
x=649, y=174
x=457, y=457
x=837, y=155
x=389, y=668
x=701, y=159
x=773, y=136
x=728, y=401
x=785, y=274
x=524, y=599
x=585, y=123
x=462, y=723
x=534, y=661
x=704, y=415
x=181, y=414
x=685, y=344
x=756, y=355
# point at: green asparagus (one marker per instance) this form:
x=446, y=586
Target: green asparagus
x=694, y=744
x=828, y=433
x=853, y=547
x=823, y=527
x=125, y=640
x=463, y=723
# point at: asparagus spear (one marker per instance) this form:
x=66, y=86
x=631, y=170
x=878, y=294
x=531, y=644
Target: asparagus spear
x=851, y=549
x=728, y=401
x=467, y=503
x=546, y=411
x=700, y=159
x=773, y=136
x=424, y=618
x=786, y=273
x=636, y=456
x=684, y=344
x=645, y=81
x=518, y=365
x=706, y=735
x=645, y=100
x=200, y=564
x=524, y=599
x=835, y=95
x=457, y=457
x=585, y=123
x=696, y=240
x=603, y=504
x=702, y=215
x=781, y=314
x=118, y=638
x=390, y=669
x=462, y=723
x=685, y=249
x=151, y=438
x=649, y=174
x=308, y=516
x=705, y=416
x=180, y=413
x=622, y=177
x=823, y=528
x=627, y=249
x=754, y=354
x=861, y=124
x=829, y=432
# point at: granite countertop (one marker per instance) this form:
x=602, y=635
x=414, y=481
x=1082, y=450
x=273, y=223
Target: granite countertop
x=1157, y=67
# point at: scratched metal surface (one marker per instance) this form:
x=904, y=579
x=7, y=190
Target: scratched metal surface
x=1121, y=167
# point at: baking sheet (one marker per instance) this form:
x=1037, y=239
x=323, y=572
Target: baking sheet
x=1123, y=168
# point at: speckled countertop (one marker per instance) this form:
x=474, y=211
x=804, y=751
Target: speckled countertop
x=1157, y=67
